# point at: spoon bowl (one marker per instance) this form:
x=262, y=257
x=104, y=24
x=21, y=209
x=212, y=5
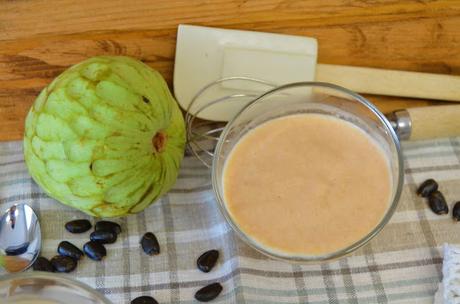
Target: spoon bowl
x=20, y=238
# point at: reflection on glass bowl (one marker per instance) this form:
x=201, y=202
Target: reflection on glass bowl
x=46, y=288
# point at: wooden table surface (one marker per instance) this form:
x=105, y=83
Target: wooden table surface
x=40, y=38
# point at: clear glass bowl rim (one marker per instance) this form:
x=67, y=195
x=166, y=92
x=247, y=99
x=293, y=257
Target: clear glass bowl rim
x=55, y=277
x=303, y=259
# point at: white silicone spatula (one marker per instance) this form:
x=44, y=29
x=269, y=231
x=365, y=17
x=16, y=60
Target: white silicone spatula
x=204, y=55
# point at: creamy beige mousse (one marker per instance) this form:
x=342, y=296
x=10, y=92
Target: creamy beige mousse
x=307, y=184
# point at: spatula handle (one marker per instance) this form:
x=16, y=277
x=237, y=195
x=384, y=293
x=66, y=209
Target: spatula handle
x=391, y=82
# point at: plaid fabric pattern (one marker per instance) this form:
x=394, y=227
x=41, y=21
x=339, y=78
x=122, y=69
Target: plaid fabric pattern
x=401, y=265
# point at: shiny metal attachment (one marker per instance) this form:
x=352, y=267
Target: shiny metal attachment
x=202, y=135
x=401, y=123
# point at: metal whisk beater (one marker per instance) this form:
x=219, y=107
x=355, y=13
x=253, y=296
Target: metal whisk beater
x=202, y=135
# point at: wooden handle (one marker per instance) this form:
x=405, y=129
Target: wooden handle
x=391, y=82
x=434, y=122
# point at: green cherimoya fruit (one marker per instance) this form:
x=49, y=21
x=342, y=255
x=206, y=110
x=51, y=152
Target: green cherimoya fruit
x=105, y=137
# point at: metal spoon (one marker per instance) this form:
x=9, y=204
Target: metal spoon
x=20, y=238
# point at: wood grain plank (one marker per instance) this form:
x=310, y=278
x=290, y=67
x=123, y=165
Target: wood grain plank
x=44, y=17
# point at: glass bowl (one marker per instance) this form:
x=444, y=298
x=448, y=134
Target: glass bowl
x=310, y=97
x=46, y=288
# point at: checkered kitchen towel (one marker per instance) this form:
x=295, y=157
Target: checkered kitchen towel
x=402, y=265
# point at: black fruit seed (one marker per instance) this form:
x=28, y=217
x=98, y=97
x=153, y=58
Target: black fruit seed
x=150, y=244
x=63, y=263
x=144, y=300
x=94, y=250
x=103, y=236
x=78, y=226
x=107, y=225
x=456, y=211
x=42, y=264
x=209, y=292
x=427, y=187
x=68, y=249
x=438, y=203
x=207, y=260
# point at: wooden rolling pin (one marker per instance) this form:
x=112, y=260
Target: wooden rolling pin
x=426, y=122
x=391, y=82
